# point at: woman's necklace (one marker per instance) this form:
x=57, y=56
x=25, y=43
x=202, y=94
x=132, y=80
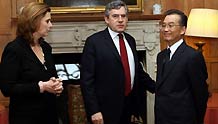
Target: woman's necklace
x=37, y=49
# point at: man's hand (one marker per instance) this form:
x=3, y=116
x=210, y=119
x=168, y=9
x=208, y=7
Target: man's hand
x=97, y=118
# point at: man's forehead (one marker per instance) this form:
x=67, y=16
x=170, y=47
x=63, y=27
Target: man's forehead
x=121, y=10
x=171, y=18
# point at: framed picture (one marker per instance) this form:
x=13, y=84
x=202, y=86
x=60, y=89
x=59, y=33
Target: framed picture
x=88, y=6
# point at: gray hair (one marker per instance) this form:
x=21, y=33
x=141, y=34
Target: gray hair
x=117, y=4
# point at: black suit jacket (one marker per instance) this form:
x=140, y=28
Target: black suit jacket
x=21, y=72
x=181, y=92
x=102, y=78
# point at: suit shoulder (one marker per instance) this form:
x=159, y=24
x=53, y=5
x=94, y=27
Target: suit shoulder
x=193, y=54
x=96, y=35
x=128, y=35
x=161, y=52
x=12, y=49
x=192, y=50
x=13, y=44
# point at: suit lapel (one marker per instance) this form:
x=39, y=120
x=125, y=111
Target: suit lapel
x=109, y=41
x=132, y=46
x=174, y=60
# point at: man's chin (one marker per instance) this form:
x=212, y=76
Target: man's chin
x=166, y=38
x=120, y=31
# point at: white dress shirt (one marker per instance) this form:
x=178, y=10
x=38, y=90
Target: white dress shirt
x=174, y=47
x=115, y=38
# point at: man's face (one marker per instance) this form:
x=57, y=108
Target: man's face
x=117, y=20
x=171, y=29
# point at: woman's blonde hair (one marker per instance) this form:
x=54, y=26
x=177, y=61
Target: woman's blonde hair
x=29, y=19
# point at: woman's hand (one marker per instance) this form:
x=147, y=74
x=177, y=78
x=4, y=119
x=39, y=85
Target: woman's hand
x=54, y=85
x=59, y=86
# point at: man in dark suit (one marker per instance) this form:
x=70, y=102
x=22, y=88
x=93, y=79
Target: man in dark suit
x=181, y=92
x=103, y=74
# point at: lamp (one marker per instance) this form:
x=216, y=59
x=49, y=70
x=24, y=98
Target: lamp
x=202, y=23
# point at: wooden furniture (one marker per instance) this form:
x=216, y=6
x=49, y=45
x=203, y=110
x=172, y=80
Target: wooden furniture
x=212, y=110
x=76, y=108
x=3, y=115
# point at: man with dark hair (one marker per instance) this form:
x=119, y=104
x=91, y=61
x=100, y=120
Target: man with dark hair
x=181, y=92
x=113, y=82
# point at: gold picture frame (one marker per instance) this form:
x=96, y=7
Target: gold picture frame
x=87, y=6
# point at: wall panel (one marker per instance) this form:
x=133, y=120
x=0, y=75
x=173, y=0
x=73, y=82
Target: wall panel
x=211, y=4
x=5, y=13
x=168, y=4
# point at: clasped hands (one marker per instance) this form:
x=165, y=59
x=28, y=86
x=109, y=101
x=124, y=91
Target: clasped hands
x=53, y=85
x=97, y=118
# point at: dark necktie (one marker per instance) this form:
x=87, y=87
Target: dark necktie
x=125, y=62
x=168, y=55
x=166, y=61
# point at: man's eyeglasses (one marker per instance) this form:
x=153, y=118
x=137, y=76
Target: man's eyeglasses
x=169, y=26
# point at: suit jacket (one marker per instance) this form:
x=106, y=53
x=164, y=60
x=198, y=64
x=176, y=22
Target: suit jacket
x=181, y=92
x=102, y=78
x=22, y=72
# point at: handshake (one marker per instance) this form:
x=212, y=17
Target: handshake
x=54, y=85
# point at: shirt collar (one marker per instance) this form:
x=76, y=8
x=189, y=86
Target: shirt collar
x=113, y=34
x=175, y=46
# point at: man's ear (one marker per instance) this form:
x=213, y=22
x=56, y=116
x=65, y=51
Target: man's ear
x=106, y=19
x=183, y=30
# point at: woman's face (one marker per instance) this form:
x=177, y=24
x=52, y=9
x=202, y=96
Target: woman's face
x=44, y=25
